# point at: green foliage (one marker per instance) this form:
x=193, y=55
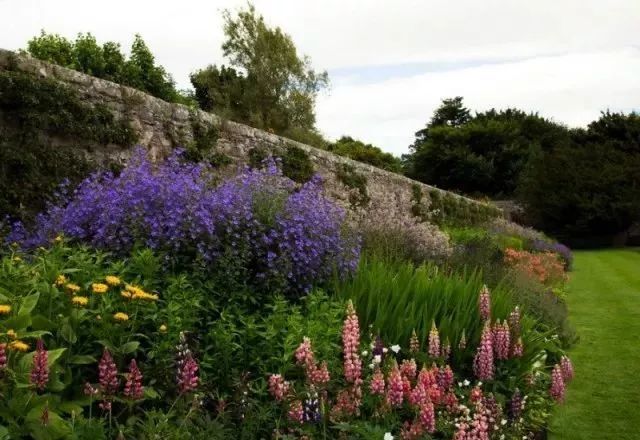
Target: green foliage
x=446, y=209
x=107, y=61
x=590, y=188
x=367, y=153
x=481, y=154
x=348, y=175
x=203, y=147
x=296, y=163
x=30, y=168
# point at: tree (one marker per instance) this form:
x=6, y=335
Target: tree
x=367, y=153
x=269, y=86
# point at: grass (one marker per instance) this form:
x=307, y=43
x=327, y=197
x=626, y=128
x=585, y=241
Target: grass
x=603, y=401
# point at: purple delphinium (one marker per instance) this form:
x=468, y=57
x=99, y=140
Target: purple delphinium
x=284, y=237
x=563, y=251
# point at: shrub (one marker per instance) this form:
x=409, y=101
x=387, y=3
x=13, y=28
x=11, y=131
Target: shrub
x=390, y=232
x=558, y=248
x=256, y=227
x=546, y=267
x=505, y=227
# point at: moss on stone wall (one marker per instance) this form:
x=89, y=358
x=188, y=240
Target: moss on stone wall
x=296, y=163
x=348, y=175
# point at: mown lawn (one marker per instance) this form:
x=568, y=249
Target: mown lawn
x=603, y=401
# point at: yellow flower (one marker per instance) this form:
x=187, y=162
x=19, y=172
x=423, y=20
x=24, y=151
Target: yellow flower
x=112, y=280
x=99, y=288
x=58, y=238
x=12, y=334
x=73, y=288
x=125, y=294
x=163, y=328
x=17, y=259
x=121, y=316
x=18, y=346
x=80, y=301
x=145, y=296
x=61, y=280
x=5, y=309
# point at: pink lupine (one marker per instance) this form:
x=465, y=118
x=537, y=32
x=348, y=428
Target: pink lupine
x=188, y=375
x=133, y=388
x=484, y=303
x=412, y=430
x=567, y=368
x=476, y=394
x=377, y=382
x=414, y=343
x=3, y=357
x=351, y=345
x=446, y=350
x=514, y=323
x=304, y=353
x=428, y=416
x=408, y=368
x=319, y=376
x=461, y=432
x=450, y=401
x=278, y=387
x=445, y=377
x=395, y=387
x=483, y=366
x=40, y=368
x=427, y=377
x=557, y=388
x=418, y=394
x=347, y=403
x=501, y=340
x=108, y=374
x=479, y=429
x=463, y=341
x=434, y=341
x=517, y=349
x=296, y=412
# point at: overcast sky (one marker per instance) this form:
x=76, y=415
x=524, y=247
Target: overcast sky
x=391, y=62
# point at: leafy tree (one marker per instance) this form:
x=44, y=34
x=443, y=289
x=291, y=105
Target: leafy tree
x=269, y=85
x=589, y=186
x=367, y=153
x=107, y=61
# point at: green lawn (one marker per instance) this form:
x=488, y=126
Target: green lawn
x=603, y=401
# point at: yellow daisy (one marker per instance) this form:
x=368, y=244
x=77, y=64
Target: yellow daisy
x=145, y=296
x=5, y=309
x=73, y=288
x=80, y=301
x=61, y=280
x=112, y=280
x=163, y=328
x=11, y=333
x=121, y=316
x=99, y=288
x=126, y=294
x=18, y=346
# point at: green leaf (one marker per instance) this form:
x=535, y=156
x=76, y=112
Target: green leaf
x=67, y=333
x=29, y=303
x=82, y=360
x=52, y=356
x=56, y=427
x=129, y=347
x=150, y=393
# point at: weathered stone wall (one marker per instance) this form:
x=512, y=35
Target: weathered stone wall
x=161, y=126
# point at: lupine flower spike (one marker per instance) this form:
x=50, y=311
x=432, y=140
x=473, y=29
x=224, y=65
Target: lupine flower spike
x=483, y=365
x=188, y=375
x=350, y=346
x=3, y=357
x=40, y=369
x=517, y=349
x=434, y=341
x=557, y=388
x=516, y=405
x=395, y=387
x=377, y=382
x=446, y=349
x=501, y=340
x=108, y=374
x=463, y=341
x=484, y=303
x=296, y=412
x=133, y=388
x=278, y=387
x=414, y=343
x=567, y=368
x=428, y=416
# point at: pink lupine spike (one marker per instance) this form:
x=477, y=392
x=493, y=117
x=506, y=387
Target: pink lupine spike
x=40, y=370
x=108, y=374
x=434, y=341
x=188, y=375
x=395, y=387
x=557, y=388
x=483, y=363
x=351, y=346
x=377, y=382
x=427, y=416
x=484, y=303
x=133, y=388
x=278, y=387
x=567, y=368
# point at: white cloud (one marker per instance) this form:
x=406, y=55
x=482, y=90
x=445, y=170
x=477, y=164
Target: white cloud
x=338, y=34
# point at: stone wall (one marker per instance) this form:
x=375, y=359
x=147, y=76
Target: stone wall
x=161, y=126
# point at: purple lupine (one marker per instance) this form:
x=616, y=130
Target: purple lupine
x=483, y=366
x=516, y=405
x=567, y=368
x=484, y=303
x=108, y=374
x=133, y=388
x=557, y=388
x=259, y=216
x=40, y=369
x=558, y=248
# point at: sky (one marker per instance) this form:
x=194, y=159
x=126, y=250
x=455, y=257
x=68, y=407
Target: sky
x=392, y=62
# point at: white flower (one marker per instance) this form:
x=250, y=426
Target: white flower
x=384, y=350
x=395, y=348
x=371, y=366
x=377, y=359
x=466, y=383
x=479, y=383
x=388, y=436
x=503, y=422
x=365, y=352
x=502, y=437
x=460, y=384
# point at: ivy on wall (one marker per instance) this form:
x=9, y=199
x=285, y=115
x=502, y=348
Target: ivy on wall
x=33, y=109
x=296, y=163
